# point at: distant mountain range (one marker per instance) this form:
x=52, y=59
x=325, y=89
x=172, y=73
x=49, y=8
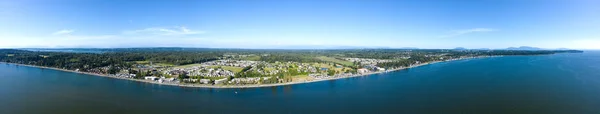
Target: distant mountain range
x=326, y=47
x=524, y=48
x=460, y=48
x=375, y=47
x=512, y=48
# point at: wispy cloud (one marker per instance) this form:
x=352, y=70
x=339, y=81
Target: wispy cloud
x=154, y=36
x=63, y=32
x=165, y=31
x=467, y=31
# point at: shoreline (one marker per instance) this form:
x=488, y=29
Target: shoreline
x=245, y=86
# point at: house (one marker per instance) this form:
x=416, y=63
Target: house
x=190, y=80
x=324, y=69
x=220, y=81
x=204, y=81
x=362, y=70
x=131, y=75
x=369, y=66
x=170, y=79
x=150, y=78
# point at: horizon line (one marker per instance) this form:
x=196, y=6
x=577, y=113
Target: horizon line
x=403, y=48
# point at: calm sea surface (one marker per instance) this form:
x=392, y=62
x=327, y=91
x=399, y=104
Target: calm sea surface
x=548, y=84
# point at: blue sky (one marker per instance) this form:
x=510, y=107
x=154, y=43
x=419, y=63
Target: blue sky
x=301, y=23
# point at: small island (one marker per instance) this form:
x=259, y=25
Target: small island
x=240, y=68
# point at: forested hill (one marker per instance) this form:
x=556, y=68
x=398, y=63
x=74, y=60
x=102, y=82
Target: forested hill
x=120, y=58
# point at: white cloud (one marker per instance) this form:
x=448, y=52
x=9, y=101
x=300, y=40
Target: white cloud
x=467, y=31
x=102, y=41
x=63, y=32
x=136, y=38
x=165, y=31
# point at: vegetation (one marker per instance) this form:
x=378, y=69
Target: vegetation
x=335, y=60
x=110, y=61
x=230, y=68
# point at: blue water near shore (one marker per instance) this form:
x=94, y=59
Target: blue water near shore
x=547, y=84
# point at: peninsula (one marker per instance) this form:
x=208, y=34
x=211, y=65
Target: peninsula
x=239, y=68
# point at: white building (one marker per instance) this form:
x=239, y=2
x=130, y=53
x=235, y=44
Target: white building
x=220, y=81
x=204, y=81
x=362, y=70
x=150, y=78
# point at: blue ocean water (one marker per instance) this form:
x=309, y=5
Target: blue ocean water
x=566, y=83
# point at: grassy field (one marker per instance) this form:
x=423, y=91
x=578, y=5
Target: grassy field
x=163, y=64
x=269, y=69
x=320, y=65
x=251, y=58
x=330, y=67
x=142, y=62
x=189, y=65
x=233, y=69
x=157, y=64
x=334, y=60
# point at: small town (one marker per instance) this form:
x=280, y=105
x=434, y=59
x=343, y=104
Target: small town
x=233, y=68
x=219, y=72
x=231, y=72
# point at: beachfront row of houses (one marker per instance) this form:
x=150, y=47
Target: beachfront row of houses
x=365, y=61
x=253, y=80
x=160, y=79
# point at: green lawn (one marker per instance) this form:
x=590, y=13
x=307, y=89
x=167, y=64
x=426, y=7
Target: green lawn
x=163, y=64
x=233, y=69
x=300, y=76
x=142, y=62
x=73, y=60
x=189, y=65
x=269, y=69
x=330, y=59
x=321, y=65
x=157, y=64
x=251, y=58
x=330, y=67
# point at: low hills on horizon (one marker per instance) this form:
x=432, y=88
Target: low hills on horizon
x=513, y=48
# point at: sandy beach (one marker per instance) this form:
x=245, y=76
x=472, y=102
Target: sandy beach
x=242, y=86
